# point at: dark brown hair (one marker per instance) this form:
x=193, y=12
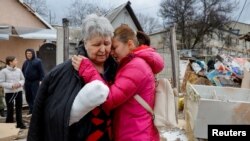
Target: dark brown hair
x=124, y=33
x=9, y=59
x=143, y=38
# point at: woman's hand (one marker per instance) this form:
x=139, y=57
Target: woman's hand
x=16, y=85
x=76, y=61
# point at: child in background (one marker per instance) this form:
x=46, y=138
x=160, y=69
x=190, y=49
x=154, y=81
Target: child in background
x=12, y=80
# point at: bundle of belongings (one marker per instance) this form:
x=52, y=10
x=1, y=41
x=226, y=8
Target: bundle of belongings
x=195, y=74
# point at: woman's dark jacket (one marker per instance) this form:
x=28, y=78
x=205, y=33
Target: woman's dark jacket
x=53, y=103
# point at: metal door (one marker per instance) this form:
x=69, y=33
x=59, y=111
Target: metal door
x=47, y=53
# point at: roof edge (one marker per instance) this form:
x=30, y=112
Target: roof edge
x=133, y=16
x=31, y=10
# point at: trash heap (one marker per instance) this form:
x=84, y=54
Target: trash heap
x=228, y=71
x=194, y=73
x=223, y=70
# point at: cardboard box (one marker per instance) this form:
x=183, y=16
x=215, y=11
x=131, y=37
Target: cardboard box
x=8, y=131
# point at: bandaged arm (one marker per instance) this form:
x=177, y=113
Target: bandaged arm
x=90, y=96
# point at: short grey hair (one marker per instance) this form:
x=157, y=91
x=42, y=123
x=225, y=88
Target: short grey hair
x=94, y=25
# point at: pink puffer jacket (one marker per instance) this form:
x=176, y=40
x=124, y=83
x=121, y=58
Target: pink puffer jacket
x=131, y=121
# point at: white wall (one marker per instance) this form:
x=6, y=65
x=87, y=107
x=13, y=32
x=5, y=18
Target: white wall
x=124, y=18
x=59, y=46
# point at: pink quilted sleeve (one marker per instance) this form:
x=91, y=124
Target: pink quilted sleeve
x=88, y=72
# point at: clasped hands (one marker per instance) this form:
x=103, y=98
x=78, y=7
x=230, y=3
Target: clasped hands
x=16, y=85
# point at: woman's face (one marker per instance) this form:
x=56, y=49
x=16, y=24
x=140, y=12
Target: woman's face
x=14, y=63
x=98, y=49
x=119, y=49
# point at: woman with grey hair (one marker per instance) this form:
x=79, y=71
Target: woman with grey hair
x=52, y=116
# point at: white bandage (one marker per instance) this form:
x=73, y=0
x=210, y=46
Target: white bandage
x=90, y=96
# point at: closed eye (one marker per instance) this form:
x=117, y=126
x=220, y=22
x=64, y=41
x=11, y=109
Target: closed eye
x=106, y=43
x=97, y=45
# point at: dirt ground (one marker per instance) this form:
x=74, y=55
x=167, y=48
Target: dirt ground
x=22, y=134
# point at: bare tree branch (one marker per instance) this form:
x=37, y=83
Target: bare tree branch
x=39, y=6
x=79, y=9
x=149, y=24
x=196, y=18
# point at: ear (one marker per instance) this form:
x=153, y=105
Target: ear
x=131, y=45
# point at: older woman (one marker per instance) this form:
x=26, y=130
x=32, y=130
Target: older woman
x=137, y=66
x=51, y=115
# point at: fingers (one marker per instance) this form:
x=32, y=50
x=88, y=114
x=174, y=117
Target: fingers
x=16, y=85
x=80, y=56
x=75, y=64
x=76, y=61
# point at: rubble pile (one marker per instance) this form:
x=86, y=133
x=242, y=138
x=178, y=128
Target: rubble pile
x=223, y=71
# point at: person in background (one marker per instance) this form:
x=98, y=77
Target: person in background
x=33, y=73
x=2, y=106
x=12, y=80
x=137, y=66
x=143, y=38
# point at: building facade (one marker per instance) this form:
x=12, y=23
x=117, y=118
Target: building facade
x=21, y=28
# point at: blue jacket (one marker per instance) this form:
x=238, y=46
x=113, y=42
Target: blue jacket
x=32, y=68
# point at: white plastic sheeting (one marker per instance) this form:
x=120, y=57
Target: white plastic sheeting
x=5, y=32
x=4, y=36
x=36, y=33
x=27, y=33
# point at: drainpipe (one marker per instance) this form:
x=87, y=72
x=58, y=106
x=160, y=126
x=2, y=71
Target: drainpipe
x=65, y=39
x=174, y=58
